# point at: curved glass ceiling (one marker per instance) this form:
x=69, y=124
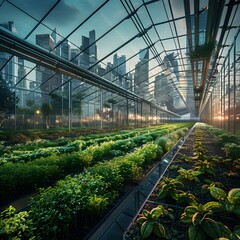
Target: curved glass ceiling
x=141, y=46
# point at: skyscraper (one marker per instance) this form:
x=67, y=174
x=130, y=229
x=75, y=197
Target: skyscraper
x=119, y=65
x=89, y=51
x=43, y=74
x=8, y=63
x=141, y=78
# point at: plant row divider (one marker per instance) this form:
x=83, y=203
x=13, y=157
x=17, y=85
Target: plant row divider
x=112, y=216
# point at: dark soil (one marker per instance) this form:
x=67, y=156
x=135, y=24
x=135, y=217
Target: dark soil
x=175, y=228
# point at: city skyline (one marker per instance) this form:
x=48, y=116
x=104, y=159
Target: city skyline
x=85, y=56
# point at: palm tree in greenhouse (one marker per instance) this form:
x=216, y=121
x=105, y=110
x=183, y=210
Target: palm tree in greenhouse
x=46, y=109
x=8, y=100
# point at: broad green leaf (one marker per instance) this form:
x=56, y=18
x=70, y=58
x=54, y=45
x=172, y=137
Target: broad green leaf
x=237, y=212
x=215, y=229
x=234, y=194
x=218, y=193
x=196, y=233
x=237, y=229
x=145, y=213
x=234, y=236
x=211, y=205
x=141, y=220
x=146, y=229
x=162, y=194
x=159, y=230
x=157, y=212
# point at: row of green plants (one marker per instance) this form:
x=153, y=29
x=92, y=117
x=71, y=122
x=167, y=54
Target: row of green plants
x=206, y=208
x=82, y=199
x=230, y=143
x=25, y=177
x=18, y=179
x=61, y=141
x=14, y=154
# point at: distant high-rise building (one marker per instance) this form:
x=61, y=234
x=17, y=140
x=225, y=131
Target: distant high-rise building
x=75, y=59
x=171, y=63
x=56, y=39
x=43, y=74
x=162, y=90
x=109, y=75
x=119, y=65
x=66, y=50
x=8, y=63
x=141, y=77
x=92, y=48
x=45, y=41
x=89, y=51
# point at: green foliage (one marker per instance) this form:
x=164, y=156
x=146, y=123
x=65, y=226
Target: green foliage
x=203, y=51
x=209, y=184
x=201, y=226
x=21, y=178
x=55, y=208
x=230, y=202
x=204, y=167
x=232, y=150
x=227, y=138
x=169, y=187
x=149, y=151
x=8, y=100
x=188, y=175
x=15, y=226
x=208, y=229
x=165, y=143
x=150, y=221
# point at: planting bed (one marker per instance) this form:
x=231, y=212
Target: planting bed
x=198, y=196
x=71, y=207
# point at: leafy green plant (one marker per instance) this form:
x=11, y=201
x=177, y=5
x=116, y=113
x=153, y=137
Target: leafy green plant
x=202, y=52
x=227, y=138
x=150, y=221
x=169, y=187
x=185, y=197
x=229, y=202
x=188, y=175
x=201, y=226
x=15, y=225
x=209, y=184
x=204, y=167
x=165, y=142
x=232, y=150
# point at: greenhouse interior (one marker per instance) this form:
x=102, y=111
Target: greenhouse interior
x=120, y=119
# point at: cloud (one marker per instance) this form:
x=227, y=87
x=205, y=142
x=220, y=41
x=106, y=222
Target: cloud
x=62, y=14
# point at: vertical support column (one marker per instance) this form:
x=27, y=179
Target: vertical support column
x=15, y=112
x=229, y=95
x=156, y=122
x=141, y=112
x=70, y=105
x=136, y=112
x=221, y=99
x=151, y=116
x=101, y=108
x=211, y=109
x=234, y=86
x=127, y=113
x=224, y=97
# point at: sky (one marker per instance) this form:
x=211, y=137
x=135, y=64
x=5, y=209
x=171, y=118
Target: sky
x=69, y=14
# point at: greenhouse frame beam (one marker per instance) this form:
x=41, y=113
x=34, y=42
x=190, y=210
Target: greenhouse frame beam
x=21, y=48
